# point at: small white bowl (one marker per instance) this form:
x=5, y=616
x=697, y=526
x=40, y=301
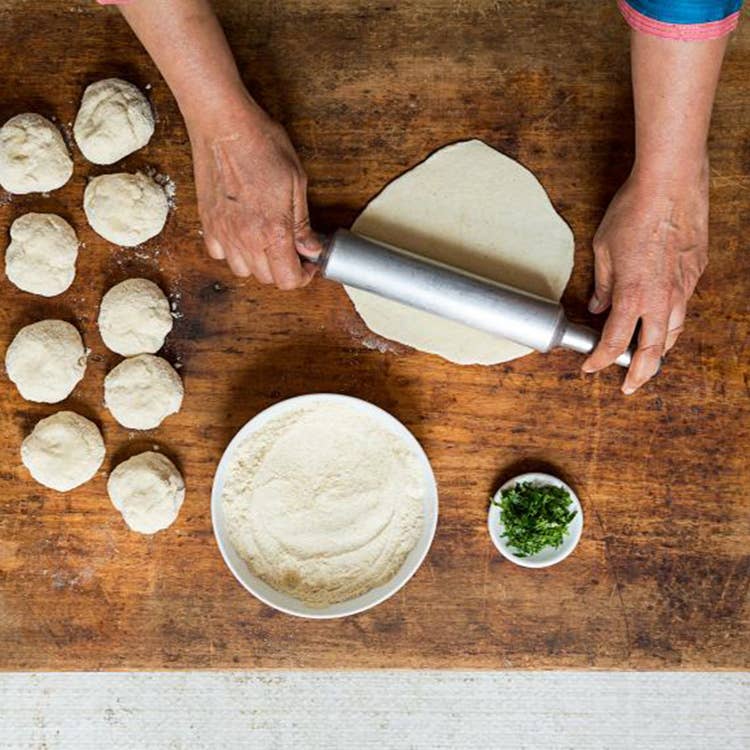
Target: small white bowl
x=289, y=604
x=550, y=555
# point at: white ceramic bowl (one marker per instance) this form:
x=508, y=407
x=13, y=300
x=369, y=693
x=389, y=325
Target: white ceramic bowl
x=548, y=556
x=290, y=604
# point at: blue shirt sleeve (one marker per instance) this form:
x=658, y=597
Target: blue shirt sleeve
x=686, y=11
x=687, y=20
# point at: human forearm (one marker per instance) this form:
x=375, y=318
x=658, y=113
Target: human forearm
x=652, y=244
x=674, y=83
x=187, y=44
x=251, y=187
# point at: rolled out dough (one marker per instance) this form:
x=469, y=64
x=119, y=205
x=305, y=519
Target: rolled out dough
x=474, y=208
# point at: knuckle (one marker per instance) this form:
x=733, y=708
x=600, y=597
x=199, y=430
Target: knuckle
x=274, y=238
x=250, y=243
x=287, y=283
x=627, y=306
x=658, y=309
x=614, y=344
x=630, y=290
x=302, y=224
x=651, y=351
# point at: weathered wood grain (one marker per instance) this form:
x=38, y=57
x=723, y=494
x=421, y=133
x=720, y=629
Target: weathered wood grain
x=660, y=579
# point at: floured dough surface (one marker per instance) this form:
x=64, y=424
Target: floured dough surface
x=148, y=490
x=41, y=256
x=63, y=451
x=126, y=209
x=471, y=207
x=114, y=120
x=324, y=503
x=141, y=392
x=33, y=155
x=46, y=360
x=134, y=317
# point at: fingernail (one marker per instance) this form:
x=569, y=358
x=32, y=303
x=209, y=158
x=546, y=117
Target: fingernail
x=307, y=248
x=242, y=268
x=628, y=390
x=594, y=304
x=587, y=368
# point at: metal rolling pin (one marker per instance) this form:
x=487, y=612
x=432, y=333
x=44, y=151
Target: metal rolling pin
x=436, y=288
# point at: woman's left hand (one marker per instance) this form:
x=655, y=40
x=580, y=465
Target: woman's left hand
x=649, y=252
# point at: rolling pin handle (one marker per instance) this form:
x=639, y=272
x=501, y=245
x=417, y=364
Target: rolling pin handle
x=583, y=339
x=325, y=244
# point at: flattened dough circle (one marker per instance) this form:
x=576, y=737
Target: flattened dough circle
x=474, y=208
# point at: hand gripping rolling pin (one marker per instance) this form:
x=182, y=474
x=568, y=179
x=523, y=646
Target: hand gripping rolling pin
x=436, y=288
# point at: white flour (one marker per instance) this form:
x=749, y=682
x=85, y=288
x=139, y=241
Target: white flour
x=324, y=503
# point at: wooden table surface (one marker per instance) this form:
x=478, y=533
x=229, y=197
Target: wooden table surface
x=660, y=578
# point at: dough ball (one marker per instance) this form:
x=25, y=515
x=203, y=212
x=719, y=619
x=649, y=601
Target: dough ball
x=142, y=391
x=114, y=120
x=33, y=155
x=41, y=257
x=45, y=360
x=124, y=208
x=134, y=317
x=473, y=208
x=63, y=451
x=148, y=490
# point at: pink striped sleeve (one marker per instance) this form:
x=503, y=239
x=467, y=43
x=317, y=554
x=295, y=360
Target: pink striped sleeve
x=686, y=32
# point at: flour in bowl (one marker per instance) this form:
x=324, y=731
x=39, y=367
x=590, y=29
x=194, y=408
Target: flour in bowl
x=324, y=503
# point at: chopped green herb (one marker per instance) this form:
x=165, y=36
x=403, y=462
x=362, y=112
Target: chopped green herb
x=535, y=516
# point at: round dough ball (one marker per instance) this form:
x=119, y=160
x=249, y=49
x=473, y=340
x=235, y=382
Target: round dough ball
x=114, y=120
x=63, y=451
x=134, y=317
x=142, y=391
x=41, y=257
x=148, y=490
x=124, y=208
x=33, y=155
x=45, y=360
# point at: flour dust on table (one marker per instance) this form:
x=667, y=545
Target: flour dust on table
x=473, y=208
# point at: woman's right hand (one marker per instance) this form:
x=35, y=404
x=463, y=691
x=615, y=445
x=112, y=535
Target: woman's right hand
x=252, y=194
